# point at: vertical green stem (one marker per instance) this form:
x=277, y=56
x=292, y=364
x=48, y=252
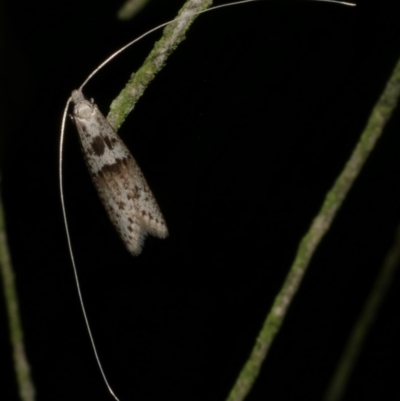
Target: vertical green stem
x=25, y=384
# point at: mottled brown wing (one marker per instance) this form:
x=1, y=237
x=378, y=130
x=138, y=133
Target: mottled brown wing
x=120, y=183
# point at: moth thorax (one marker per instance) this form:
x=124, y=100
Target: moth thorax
x=83, y=110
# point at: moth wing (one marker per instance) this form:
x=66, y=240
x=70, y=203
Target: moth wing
x=150, y=216
x=120, y=209
x=118, y=179
x=129, y=203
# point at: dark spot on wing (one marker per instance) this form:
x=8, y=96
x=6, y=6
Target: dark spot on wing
x=115, y=168
x=98, y=145
x=136, y=192
x=108, y=142
x=121, y=205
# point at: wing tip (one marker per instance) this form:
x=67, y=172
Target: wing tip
x=135, y=244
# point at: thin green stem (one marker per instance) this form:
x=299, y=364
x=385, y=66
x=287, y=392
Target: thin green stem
x=319, y=227
x=25, y=384
x=173, y=34
x=347, y=361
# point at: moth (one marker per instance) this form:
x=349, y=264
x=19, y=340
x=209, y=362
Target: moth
x=117, y=177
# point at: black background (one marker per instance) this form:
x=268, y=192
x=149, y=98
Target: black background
x=240, y=136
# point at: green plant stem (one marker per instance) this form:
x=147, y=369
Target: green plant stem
x=130, y=8
x=24, y=381
x=173, y=34
x=345, y=367
x=319, y=227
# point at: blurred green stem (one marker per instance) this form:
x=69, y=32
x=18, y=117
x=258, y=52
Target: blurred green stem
x=25, y=385
x=130, y=8
x=344, y=369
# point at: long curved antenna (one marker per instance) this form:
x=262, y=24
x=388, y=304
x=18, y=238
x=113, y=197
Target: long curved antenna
x=182, y=17
x=60, y=160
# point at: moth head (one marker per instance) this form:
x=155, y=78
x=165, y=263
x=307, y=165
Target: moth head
x=83, y=109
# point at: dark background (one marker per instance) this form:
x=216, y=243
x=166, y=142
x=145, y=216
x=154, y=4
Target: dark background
x=240, y=137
